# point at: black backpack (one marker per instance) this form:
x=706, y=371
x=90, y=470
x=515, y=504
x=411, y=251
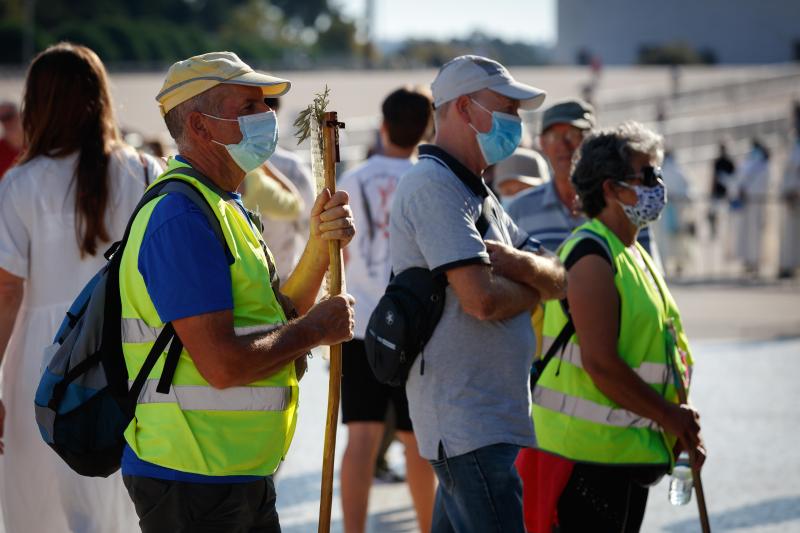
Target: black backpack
x=83, y=403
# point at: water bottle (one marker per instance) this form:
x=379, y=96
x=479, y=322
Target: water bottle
x=680, y=484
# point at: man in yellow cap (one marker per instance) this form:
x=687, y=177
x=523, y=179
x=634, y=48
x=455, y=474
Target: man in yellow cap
x=200, y=455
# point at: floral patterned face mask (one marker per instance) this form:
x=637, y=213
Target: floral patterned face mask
x=651, y=198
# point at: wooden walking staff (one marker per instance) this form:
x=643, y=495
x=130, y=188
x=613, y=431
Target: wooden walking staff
x=683, y=398
x=323, y=128
x=698, y=484
x=330, y=129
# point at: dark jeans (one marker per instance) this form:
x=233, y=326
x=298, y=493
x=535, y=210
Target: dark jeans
x=479, y=492
x=179, y=507
x=602, y=498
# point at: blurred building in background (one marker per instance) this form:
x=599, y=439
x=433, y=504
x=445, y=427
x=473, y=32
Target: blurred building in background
x=624, y=32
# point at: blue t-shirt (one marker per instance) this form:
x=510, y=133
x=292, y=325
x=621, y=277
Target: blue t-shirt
x=186, y=273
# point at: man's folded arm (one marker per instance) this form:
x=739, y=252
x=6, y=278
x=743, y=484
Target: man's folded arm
x=486, y=296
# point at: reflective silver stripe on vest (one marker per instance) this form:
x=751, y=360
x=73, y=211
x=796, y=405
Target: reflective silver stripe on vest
x=653, y=373
x=207, y=398
x=136, y=331
x=588, y=410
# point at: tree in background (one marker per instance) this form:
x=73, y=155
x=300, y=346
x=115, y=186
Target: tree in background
x=152, y=32
x=287, y=34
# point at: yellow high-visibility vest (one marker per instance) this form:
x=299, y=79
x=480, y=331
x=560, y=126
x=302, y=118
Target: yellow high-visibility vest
x=572, y=417
x=196, y=428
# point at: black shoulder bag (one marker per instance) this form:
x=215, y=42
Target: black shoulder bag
x=406, y=316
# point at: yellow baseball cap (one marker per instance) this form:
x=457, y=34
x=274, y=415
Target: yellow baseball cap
x=190, y=77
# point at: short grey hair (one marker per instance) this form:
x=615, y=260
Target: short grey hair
x=439, y=112
x=606, y=154
x=206, y=102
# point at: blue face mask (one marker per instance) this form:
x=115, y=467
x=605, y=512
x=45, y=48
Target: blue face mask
x=499, y=142
x=259, y=139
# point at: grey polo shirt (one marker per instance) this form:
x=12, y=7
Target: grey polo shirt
x=469, y=387
x=541, y=214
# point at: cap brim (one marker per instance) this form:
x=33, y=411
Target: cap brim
x=580, y=123
x=270, y=85
x=533, y=181
x=529, y=97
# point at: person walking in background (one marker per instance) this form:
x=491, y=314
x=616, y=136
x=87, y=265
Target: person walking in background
x=287, y=238
x=607, y=404
x=676, y=226
x=66, y=201
x=371, y=186
x=790, y=194
x=750, y=192
x=722, y=175
x=468, y=390
x=13, y=136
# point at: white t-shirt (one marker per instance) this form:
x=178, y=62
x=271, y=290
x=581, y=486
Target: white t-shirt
x=371, y=187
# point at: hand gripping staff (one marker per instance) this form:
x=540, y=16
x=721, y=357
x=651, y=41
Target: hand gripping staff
x=683, y=398
x=323, y=129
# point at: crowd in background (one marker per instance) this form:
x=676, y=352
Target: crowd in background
x=731, y=203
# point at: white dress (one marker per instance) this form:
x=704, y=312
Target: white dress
x=753, y=181
x=790, y=234
x=38, y=492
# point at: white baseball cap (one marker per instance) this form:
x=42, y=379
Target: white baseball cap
x=468, y=74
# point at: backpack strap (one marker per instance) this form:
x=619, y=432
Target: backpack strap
x=483, y=224
x=559, y=344
x=170, y=364
x=167, y=334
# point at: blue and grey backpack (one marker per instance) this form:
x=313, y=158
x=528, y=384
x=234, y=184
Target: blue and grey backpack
x=83, y=403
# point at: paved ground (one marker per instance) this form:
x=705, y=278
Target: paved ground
x=747, y=346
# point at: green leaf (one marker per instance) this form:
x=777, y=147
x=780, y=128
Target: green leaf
x=315, y=111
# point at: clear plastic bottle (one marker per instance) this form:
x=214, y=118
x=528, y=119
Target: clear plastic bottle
x=680, y=484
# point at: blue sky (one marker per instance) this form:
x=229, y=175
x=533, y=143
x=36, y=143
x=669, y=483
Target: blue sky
x=532, y=21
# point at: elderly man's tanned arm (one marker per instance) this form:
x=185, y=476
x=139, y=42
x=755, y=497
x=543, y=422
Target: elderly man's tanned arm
x=227, y=360
x=486, y=296
x=542, y=271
